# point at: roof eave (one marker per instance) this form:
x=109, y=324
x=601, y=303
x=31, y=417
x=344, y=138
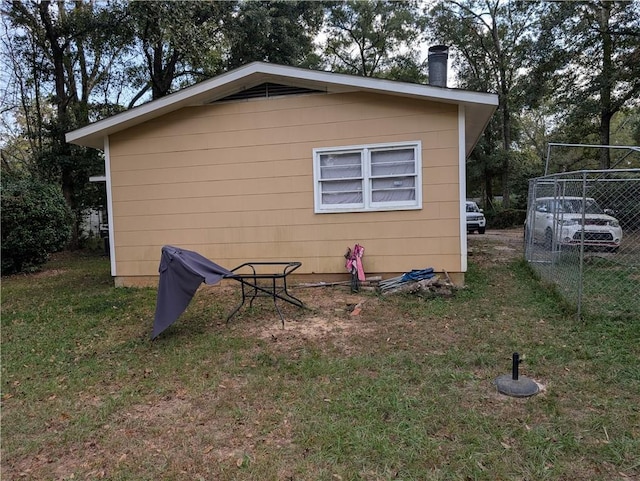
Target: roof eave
x=477, y=118
x=250, y=75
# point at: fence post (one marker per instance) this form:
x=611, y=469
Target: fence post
x=529, y=240
x=581, y=260
x=554, y=238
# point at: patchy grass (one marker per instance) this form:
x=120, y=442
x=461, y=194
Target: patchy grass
x=402, y=391
x=610, y=282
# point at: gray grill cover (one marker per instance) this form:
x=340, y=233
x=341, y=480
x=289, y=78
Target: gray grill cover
x=181, y=273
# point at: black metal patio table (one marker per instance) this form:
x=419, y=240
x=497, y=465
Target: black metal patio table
x=264, y=279
x=182, y=271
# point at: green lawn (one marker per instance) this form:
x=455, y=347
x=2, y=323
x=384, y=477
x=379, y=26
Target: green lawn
x=402, y=391
x=610, y=283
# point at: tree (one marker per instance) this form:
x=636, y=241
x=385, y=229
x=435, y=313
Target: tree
x=63, y=55
x=281, y=32
x=590, y=63
x=181, y=42
x=374, y=39
x=23, y=111
x=494, y=44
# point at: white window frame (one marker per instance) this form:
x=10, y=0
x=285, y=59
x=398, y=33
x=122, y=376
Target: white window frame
x=368, y=205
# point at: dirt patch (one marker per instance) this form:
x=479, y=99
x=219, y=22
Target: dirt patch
x=331, y=315
x=496, y=246
x=312, y=328
x=338, y=318
x=330, y=323
x=49, y=273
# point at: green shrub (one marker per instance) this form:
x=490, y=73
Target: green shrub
x=36, y=221
x=503, y=219
x=92, y=242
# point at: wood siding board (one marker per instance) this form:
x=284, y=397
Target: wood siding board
x=213, y=189
x=215, y=172
x=344, y=133
x=178, y=185
x=366, y=232
x=287, y=112
x=234, y=182
x=318, y=265
x=208, y=204
x=380, y=250
x=441, y=175
x=437, y=211
x=289, y=151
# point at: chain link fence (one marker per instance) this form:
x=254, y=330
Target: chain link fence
x=583, y=234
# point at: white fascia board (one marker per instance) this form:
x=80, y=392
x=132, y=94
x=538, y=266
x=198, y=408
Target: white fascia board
x=462, y=181
x=381, y=85
x=112, y=243
x=257, y=72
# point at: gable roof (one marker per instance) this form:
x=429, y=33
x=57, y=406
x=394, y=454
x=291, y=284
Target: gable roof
x=479, y=107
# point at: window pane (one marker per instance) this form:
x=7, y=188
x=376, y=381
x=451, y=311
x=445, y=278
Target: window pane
x=393, y=183
x=341, y=165
x=394, y=189
x=342, y=198
x=393, y=162
x=393, y=195
x=341, y=186
x=341, y=192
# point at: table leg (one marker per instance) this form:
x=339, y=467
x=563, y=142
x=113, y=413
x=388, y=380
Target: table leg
x=235, y=311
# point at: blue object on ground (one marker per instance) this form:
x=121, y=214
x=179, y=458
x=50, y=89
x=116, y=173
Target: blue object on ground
x=418, y=274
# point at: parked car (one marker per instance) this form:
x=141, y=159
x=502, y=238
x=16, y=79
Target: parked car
x=559, y=220
x=475, y=218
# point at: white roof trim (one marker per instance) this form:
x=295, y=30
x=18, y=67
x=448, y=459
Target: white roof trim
x=482, y=105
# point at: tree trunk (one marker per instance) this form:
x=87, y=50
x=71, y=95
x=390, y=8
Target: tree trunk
x=605, y=135
x=61, y=101
x=67, y=192
x=504, y=108
x=488, y=188
x=506, y=145
x=606, y=113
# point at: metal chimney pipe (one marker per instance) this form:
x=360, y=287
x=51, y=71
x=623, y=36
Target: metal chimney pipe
x=437, y=62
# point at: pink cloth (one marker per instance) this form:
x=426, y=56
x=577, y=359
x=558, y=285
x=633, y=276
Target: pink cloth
x=354, y=261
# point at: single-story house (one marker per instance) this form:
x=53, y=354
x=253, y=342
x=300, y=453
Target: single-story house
x=276, y=163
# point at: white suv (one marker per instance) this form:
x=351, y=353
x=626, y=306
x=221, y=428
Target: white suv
x=475, y=218
x=559, y=220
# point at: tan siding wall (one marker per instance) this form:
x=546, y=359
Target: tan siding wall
x=234, y=181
